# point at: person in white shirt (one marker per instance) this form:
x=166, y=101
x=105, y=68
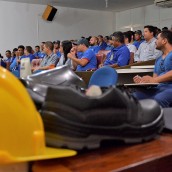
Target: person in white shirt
x=132, y=48
x=65, y=48
x=147, y=49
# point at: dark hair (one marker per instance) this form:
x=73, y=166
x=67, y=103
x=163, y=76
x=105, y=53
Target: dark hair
x=167, y=34
x=67, y=45
x=29, y=49
x=107, y=37
x=21, y=46
x=119, y=37
x=49, y=45
x=15, y=49
x=8, y=51
x=57, y=42
x=37, y=46
x=100, y=36
x=43, y=42
x=1, y=56
x=165, y=28
x=131, y=32
x=127, y=35
x=151, y=29
x=139, y=32
x=89, y=38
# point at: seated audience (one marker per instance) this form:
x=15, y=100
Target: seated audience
x=162, y=74
x=57, y=48
x=28, y=53
x=94, y=44
x=42, y=54
x=8, y=59
x=132, y=36
x=37, y=53
x=15, y=65
x=13, y=55
x=88, y=59
x=8, y=56
x=157, y=31
x=138, y=38
x=102, y=44
x=65, y=48
x=147, y=49
x=78, y=53
x=109, y=46
x=120, y=54
x=131, y=47
x=49, y=61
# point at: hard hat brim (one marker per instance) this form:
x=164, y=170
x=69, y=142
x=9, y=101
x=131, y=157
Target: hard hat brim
x=49, y=153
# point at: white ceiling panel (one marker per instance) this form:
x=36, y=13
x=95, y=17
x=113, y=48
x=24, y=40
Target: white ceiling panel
x=105, y=5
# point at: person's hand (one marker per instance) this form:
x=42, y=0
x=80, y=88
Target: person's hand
x=73, y=50
x=137, y=79
x=71, y=55
x=148, y=79
x=17, y=54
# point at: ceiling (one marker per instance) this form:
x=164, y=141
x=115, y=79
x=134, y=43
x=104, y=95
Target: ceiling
x=112, y=5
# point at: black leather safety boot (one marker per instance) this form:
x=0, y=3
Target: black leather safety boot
x=74, y=120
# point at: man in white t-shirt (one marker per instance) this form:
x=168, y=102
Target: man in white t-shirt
x=132, y=48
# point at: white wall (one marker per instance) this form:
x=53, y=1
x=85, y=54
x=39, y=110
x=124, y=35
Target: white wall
x=22, y=24
x=139, y=17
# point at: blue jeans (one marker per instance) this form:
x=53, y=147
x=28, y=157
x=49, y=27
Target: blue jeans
x=162, y=94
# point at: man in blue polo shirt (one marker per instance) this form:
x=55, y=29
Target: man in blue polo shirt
x=120, y=54
x=102, y=43
x=37, y=53
x=88, y=59
x=42, y=54
x=15, y=65
x=162, y=74
x=28, y=53
x=94, y=44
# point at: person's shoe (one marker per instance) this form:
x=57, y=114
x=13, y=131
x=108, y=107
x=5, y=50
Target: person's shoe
x=74, y=120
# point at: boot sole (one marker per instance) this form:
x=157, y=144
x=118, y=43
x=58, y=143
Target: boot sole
x=63, y=133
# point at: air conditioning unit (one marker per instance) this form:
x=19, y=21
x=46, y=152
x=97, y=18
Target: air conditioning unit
x=163, y=3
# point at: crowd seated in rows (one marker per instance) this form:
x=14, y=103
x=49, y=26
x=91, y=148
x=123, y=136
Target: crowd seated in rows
x=117, y=50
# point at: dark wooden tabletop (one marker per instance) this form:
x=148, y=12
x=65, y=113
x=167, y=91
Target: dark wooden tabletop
x=153, y=156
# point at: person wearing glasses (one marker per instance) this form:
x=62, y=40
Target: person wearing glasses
x=162, y=74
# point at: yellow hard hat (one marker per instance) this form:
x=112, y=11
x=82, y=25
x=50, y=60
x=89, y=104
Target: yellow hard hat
x=21, y=127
